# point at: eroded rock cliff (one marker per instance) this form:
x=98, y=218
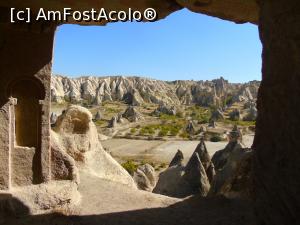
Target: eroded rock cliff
x=138, y=90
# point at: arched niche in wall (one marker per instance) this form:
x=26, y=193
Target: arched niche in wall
x=28, y=91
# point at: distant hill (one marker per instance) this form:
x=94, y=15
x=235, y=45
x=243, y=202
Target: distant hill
x=139, y=90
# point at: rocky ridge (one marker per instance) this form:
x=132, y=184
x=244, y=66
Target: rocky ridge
x=138, y=90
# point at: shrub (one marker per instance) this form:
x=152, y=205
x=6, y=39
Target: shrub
x=147, y=130
x=174, y=131
x=163, y=132
x=130, y=166
x=215, y=138
x=132, y=130
x=167, y=117
x=142, y=132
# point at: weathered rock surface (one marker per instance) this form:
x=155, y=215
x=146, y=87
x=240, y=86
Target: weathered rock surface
x=164, y=109
x=98, y=116
x=240, y=183
x=276, y=144
x=53, y=118
x=137, y=90
x=231, y=166
x=170, y=183
x=251, y=114
x=113, y=122
x=177, y=160
x=132, y=114
x=76, y=135
x=217, y=115
x=190, y=128
x=194, y=178
x=63, y=166
x=43, y=198
x=145, y=177
x=206, y=160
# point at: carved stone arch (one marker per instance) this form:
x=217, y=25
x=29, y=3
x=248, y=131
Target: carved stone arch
x=26, y=120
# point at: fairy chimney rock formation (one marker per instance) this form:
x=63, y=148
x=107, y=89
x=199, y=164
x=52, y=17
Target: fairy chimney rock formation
x=195, y=176
x=177, y=159
x=132, y=115
x=98, y=116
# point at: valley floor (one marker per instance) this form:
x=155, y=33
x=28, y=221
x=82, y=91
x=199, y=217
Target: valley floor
x=160, y=151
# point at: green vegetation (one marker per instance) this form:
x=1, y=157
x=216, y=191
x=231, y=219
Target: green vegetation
x=163, y=132
x=180, y=114
x=240, y=123
x=130, y=166
x=202, y=114
x=100, y=122
x=147, y=130
x=112, y=110
x=167, y=117
x=165, y=129
x=87, y=103
x=132, y=130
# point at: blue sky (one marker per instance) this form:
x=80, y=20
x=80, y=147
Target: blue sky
x=184, y=46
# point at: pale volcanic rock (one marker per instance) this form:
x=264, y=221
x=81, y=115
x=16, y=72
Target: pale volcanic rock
x=206, y=160
x=137, y=90
x=132, y=114
x=77, y=135
x=194, y=178
x=145, y=177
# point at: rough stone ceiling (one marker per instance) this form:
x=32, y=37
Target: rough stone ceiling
x=239, y=11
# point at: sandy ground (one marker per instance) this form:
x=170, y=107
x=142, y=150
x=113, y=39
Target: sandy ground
x=108, y=203
x=114, y=197
x=160, y=151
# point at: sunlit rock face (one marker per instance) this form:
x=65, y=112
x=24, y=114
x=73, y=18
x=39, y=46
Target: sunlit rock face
x=194, y=178
x=76, y=136
x=138, y=90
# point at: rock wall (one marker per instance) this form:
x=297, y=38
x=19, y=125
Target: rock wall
x=276, y=144
x=20, y=47
x=137, y=90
